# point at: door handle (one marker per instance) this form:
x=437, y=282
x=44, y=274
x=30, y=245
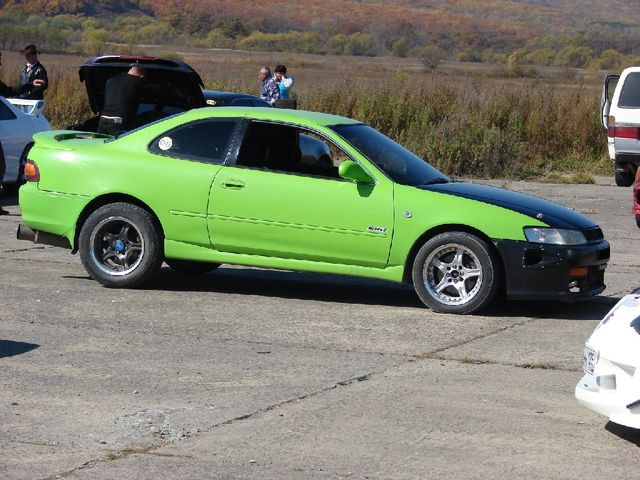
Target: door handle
x=232, y=184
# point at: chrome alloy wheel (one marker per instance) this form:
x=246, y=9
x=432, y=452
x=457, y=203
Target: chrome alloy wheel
x=452, y=274
x=116, y=247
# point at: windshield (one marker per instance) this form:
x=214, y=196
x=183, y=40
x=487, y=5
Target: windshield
x=396, y=161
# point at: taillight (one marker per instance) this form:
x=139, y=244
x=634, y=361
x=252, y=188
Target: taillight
x=617, y=131
x=31, y=172
x=625, y=132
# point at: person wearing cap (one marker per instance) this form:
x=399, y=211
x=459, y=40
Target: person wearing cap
x=31, y=72
x=11, y=92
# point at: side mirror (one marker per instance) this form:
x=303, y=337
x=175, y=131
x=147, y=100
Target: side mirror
x=352, y=171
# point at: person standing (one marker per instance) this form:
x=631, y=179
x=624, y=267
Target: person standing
x=269, y=91
x=31, y=72
x=284, y=83
x=122, y=95
x=10, y=92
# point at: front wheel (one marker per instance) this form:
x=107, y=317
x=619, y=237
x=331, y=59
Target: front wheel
x=456, y=272
x=121, y=245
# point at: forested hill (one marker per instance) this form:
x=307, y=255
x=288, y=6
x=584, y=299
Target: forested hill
x=461, y=29
x=519, y=16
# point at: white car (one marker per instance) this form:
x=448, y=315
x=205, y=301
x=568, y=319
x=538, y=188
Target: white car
x=19, y=120
x=611, y=381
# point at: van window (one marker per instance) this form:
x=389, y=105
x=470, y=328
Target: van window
x=630, y=94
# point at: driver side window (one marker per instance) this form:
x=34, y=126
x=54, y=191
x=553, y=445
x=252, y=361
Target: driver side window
x=284, y=148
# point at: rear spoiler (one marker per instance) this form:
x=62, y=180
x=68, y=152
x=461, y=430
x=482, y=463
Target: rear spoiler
x=55, y=139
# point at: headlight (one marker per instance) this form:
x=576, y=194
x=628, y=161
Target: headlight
x=554, y=236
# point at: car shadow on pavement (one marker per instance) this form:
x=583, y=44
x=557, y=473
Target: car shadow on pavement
x=631, y=435
x=353, y=290
x=9, y=348
x=594, y=308
x=291, y=285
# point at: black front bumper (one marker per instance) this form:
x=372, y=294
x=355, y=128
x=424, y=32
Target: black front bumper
x=539, y=271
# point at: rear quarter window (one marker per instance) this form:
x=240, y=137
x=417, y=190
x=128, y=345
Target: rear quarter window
x=630, y=93
x=203, y=141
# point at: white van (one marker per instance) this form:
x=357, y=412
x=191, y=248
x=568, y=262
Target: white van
x=620, y=115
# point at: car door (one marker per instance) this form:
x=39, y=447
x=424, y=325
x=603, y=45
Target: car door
x=271, y=204
x=185, y=161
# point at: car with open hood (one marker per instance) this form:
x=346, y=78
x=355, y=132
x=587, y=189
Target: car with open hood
x=186, y=89
x=177, y=77
x=610, y=385
x=230, y=185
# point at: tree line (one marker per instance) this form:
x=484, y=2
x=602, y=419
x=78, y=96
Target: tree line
x=90, y=35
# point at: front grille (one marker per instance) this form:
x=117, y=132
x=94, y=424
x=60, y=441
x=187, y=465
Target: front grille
x=593, y=234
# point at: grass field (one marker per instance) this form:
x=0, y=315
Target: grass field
x=468, y=119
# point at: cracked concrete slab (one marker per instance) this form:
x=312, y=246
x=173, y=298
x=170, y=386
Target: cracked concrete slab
x=539, y=343
x=421, y=419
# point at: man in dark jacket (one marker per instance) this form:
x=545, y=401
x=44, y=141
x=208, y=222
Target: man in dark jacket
x=33, y=77
x=10, y=92
x=122, y=94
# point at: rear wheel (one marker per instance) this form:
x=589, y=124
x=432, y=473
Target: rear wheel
x=191, y=267
x=456, y=272
x=623, y=175
x=121, y=245
x=638, y=220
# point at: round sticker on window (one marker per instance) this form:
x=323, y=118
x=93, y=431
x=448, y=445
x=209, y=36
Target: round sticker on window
x=165, y=143
x=211, y=102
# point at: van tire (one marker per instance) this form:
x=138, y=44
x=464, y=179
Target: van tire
x=624, y=179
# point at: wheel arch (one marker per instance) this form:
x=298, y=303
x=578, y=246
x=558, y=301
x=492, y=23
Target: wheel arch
x=453, y=227
x=106, y=199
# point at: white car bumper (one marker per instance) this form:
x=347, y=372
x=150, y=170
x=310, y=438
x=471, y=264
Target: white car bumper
x=620, y=401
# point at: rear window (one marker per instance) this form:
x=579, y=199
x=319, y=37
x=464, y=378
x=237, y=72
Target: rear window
x=630, y=94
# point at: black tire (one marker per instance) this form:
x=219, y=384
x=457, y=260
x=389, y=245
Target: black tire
x=624, y=179
x=121, y=245
x=624, y=174
x=638, y=221
x=456, y=272
x=191, y=267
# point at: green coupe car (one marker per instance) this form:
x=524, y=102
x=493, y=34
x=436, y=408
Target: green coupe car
x=229, y=185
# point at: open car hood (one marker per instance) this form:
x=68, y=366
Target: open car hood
x=177, y=76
